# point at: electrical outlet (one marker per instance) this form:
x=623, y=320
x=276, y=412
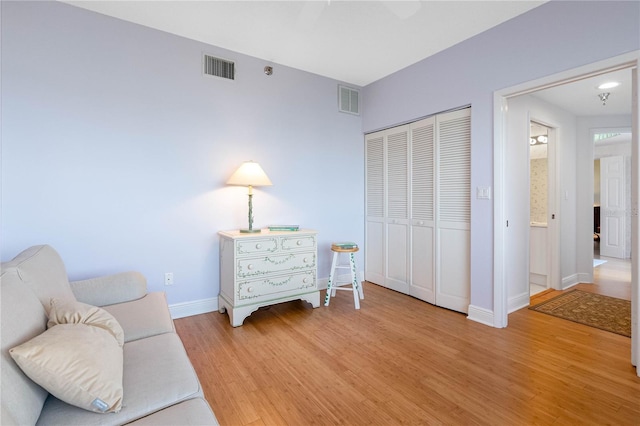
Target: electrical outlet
x=168, y=278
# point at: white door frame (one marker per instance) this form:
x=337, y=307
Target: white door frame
x=626, y=61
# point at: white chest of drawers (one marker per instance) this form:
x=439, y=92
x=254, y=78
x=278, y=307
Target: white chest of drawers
x=264, y=269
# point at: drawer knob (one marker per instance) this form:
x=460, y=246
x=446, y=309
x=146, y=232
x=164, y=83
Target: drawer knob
x=250, y=290
x=258, y=246
x=299, y=242
x=421, y=223
x=305, y=260
x=305, y=280
x=249, y=266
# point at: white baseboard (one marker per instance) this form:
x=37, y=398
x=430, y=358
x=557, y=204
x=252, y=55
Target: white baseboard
x=518, y=302
x=481, y=315
x=584, y=277
x=195, y=307
x=570, y=281
x=538, y=279
x=203, y=306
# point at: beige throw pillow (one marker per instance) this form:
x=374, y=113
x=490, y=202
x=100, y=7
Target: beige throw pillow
x=79, y=364
x=71, y=312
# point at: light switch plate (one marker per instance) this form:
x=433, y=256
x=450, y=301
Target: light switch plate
x=483, y=192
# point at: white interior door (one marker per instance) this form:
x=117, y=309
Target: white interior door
x=397, y=218
x=422, y=282
x=375, y=241
x=453, y=201
x=612, y=207
x=418, y=190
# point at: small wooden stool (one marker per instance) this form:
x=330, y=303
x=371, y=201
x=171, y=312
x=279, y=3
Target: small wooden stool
x=356, y=287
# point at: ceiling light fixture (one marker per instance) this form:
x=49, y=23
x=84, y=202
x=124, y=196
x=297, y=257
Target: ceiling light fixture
x=604, y=97
x=532, y=141
x=542, y=139
x=608, y=85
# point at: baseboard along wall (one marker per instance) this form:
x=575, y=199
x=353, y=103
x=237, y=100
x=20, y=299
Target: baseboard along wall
x=203, y=306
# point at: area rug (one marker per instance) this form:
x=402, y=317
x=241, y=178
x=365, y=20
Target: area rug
x=603, y=312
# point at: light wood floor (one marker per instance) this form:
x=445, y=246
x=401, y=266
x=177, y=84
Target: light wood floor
x=399, y=360
x=612, y=278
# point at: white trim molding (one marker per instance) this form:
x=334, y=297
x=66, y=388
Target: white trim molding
x=195, y=307
x=570, y=281
x=519, y=302
x=481, y=315
x=584, y=277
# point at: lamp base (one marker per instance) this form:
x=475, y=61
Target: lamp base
x=250, y=231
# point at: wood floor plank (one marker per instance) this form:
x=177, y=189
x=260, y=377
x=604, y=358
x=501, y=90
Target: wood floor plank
x=399, y=360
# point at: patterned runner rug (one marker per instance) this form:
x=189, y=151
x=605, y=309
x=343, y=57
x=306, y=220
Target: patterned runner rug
x=603, y=312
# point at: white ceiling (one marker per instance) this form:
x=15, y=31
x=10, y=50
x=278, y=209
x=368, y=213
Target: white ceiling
x=357, y=42
x=581, y=97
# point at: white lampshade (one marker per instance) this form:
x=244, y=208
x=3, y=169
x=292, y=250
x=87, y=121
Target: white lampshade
x=249, y=174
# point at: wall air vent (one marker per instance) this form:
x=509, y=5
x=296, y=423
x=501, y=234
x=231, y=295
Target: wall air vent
x=348, y=100
x=217, y=67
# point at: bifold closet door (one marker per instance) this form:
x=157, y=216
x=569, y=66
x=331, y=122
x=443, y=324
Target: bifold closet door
x=387, y=209
x=418, y=209
x=397, y=217
x=422, y=282
x=453, y=200
x=375, y=208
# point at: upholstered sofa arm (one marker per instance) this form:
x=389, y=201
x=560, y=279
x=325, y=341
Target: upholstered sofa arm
x=110, y=289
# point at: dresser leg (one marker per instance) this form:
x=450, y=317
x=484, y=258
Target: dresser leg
x=313, y=298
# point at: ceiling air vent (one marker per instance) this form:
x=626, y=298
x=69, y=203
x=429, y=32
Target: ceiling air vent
x=217, y=67
x=348, y=100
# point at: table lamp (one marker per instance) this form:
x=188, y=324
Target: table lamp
x=249, y=174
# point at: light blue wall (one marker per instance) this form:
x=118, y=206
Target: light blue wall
x=115, y=148
x=554, y=37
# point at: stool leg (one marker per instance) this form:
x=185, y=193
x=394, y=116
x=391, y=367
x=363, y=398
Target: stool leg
x=330, y=283
x=361, y=286
x=354, y=281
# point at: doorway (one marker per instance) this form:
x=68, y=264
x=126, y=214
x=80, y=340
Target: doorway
x=503, y=250
x=539, y=185
x=612, y=193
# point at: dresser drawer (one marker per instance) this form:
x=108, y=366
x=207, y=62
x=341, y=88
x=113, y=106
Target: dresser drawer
x=274, y=287
x=278, y=263
x=257, y=246
x=298, y=242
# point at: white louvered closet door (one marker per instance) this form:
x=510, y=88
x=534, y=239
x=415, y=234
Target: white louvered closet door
x=422, y=278
x=375, y=226
x=397, y=215
x=453, y=200
x=418, y=209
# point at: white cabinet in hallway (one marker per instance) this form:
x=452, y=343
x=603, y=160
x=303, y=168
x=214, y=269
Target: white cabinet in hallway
x=418, y=209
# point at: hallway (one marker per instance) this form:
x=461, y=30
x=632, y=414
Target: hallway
x=612, y=278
